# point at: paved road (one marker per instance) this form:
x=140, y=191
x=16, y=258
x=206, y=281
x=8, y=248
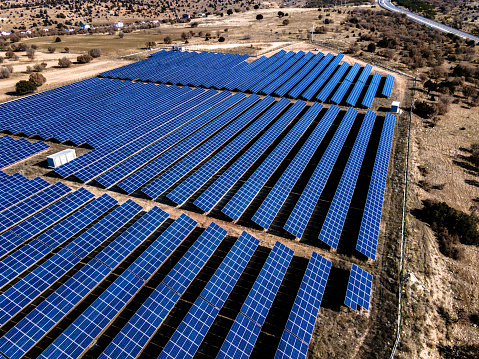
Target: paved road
x=388, y=5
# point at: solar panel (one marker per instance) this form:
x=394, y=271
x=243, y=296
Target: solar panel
x=151, y=170
x=336, y=216
x=223, y=184
x=291, y=347
x=369, y=231
x=31, y=205
x=340, y=92
x=303, y=209
x=355, y=93
x=9, y=242
x=371, y=92
x=19, y=193
x=270, y=207
x=353, y=72
x=194, y=182
x=388, y=86
x=245, y=195
x=65, y=298
x=241, y=338
x=359, y=289
x=24, y=291
x=308, y=300
x=192, y=330
x=89, y=325
x=333, y=82
x=141, y=327
x=52, y=214
x=365, y=73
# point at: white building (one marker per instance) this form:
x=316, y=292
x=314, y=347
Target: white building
x=118, y=24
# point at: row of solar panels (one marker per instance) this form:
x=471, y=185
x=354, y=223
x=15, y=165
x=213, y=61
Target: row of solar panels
x=12, y=151
x=295, y=75
x=97, y=223
x=197, y=140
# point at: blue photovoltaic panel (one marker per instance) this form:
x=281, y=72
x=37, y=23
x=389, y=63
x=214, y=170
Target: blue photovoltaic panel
x=151, y=170
x=190, y=333
x=138, y=331
x=353, y=72
x=332, y=83
x=241, y=339
x=306, y=305
x=77, y=221
x=23, y=337
x=150, y=260
x=270, y=207
x=334, y=221
x=303, y=209
x=291, y=347
x=359, y=288
x=340, y=92
x=9, y=242
x=53, y=213
x=388, y=86
x=245, y=195
x=132, y=238
x=140, y=328
x=210, y=198
x=89, y=240
x=191, y=263
x=369, y=231
x=365, y=73
x=220, y=285
x=79, y=335
x=17, y=194
x=76, y=338
x=194, y=182
x=371, y=92
x=23, y=292
x=261, y=296
x=355, y=93
x=31, y=205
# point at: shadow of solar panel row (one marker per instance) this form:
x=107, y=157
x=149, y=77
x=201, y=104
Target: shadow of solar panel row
x=295, y=75
x=12, y=151
x=369, y=231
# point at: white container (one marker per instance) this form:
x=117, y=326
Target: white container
x=60, y=158
x=395, y=107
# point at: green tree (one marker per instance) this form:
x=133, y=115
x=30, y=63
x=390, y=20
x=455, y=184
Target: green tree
x=23, y=87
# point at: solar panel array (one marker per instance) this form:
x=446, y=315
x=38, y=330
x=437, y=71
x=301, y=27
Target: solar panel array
x=12, y=151
x=296, y=75
x=198, y=146
x=359, y=289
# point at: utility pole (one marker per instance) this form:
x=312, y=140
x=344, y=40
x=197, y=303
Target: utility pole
x=312, y=33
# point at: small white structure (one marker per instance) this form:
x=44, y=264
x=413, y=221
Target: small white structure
x=178, y=48
x=118, y=24
x=395, y=107
x=60, y=158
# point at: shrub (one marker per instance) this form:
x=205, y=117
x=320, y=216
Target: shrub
x=37, y=79
x=1, y=59
x=259, y=17
x=371, y=47
x=221, y=39
x=424, y=109
x=84, y=59
x=64, y=62
x=51, y=49
x=67, y=49
x=29, y=70
x=23, y=87
x=34, y=47
x=9, y=54
x=121, y=34
x=31, y=54
x=95, y=53
x=167, y=40
x=9, y=68
x=457, y=223
x=4, y=73
x=58, y=39
x=150, y=44
x=285, y=22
